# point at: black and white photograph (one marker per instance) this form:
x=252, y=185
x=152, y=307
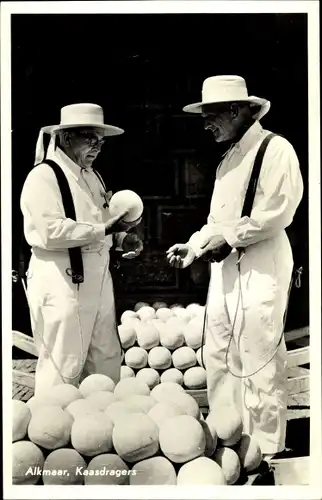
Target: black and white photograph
x=161, y=262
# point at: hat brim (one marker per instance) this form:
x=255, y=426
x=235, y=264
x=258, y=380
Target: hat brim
x=108, y=130
x=253, y=100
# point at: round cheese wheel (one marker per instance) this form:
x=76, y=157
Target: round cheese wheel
x=21, y=416
x=136, y=358
x=96, y=382
x=127, y=315
x=126, y=200
x=143, y=403
x=100, y=400
x=147, y=336
x=229, y=430
x=159, y=305
x=149, y=376
x=92, y=434
x=146, y=312
x=201, y=471
x=164, y=313
x=162, y=411
x=139, y=305
x=65, y=394
x=186, y=402
x=107, y=469
x=153, y=471
x=171, y=336
x=135, y=438
x=211, y=438
x=27, y=463
x=249, y=453
x=194, y=309
x=177, y=323
x=129, y=386
x=63, y=467
x=195, y=378
x=127, y=372
x=194, y=333
x=50, y=427
x=159, y=358
x=201, y=356
x=182, y=438
x=160, y=392
x=184, y=358
x=229, y=462
x=82, y=407
x=36, y=402
x=131, y=322
x=116, y=411
x=172, y=375
x=182, y=313
x=127, y=335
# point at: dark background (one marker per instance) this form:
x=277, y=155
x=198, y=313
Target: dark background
x=143, y=69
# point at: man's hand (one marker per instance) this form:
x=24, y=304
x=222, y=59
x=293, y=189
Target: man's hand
x=215, y=249
x=132, y=246
x=180, y=255
x=117, y=225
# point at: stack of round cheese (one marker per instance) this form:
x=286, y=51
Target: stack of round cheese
x=164, y=344
x=102, y=433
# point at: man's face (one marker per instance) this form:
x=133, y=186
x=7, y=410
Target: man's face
x=220, y=119
x=86, y=144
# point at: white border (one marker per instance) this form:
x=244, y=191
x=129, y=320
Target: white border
x=314, y=491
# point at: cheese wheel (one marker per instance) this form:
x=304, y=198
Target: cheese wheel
x=153, y=471
x=127, y=372
x=162, y=411
x=65, y=394
x=26, y=456
x=96, y=382
x=201, y=356
x=92, y=434
x=249, y=453
x=161, y=391
x=195, y=378
x=127, y=315
x=159, y=305
x=171, y=337
x=50, y=427
x=127, y=335
x=184, y=358
x=172, y=375
x=194, y=333
x=229, y=462
x=116, y=411
x=143, y=403
x=159, y=358
x=211, y=438
x=147, y=336
x=149, y=376
x=139, y=305
x=182, y=438
x=126, y=200
x=136, y=358
x=100, y=400
x=164, y=313
x=21, y=416
x=201, y=471
x=129, y=386
x=36, y=402
x=82, y=407
x=135, y=438
x=146, y=312
x=229, y=430
x=107, y=469
x=63, y=467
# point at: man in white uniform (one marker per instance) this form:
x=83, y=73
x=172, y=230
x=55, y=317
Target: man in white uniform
x=73, y=325
x=246, y=301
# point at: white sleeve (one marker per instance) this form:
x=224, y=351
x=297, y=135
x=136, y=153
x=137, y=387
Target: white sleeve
x=200, y=237
x=41, y=203
x=282, y=186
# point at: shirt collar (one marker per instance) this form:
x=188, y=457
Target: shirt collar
x=250, y=137
x=65, y=162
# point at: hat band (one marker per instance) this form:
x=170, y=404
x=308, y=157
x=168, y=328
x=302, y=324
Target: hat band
x=83, y=118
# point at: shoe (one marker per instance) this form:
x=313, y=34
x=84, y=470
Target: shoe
x=286, y=453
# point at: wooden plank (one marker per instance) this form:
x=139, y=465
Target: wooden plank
x=24, y=342
x=24, y=379
x=296, y=334
x=291, y=471
x=298, y=385
x=298, y=357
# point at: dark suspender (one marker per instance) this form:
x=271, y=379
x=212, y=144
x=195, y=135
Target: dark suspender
x=76, y=270
x=252, y=186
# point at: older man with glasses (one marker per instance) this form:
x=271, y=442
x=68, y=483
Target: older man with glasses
x=73, y=319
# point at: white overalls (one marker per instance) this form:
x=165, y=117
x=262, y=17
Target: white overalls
x=259, y=294
x=74, y=328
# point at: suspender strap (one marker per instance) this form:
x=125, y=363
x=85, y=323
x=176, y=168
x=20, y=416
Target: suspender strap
x=76, y=270
x=252, y=186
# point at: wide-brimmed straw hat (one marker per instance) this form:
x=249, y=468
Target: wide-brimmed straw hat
x=228, y=88
x=83, y=115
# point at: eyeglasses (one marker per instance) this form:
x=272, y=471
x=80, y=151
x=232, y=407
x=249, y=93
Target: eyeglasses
x=90, y=138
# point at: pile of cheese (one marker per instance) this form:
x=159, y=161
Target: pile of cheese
x=164, y=344
x=126, y=434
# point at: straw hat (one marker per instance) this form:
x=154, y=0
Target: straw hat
x=83, y=115
x=228, y=88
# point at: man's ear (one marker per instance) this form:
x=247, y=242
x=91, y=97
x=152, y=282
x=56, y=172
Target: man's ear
x=67, y=138
x=234, y=110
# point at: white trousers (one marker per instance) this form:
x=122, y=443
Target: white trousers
x=259, y=294
x=74, y=328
